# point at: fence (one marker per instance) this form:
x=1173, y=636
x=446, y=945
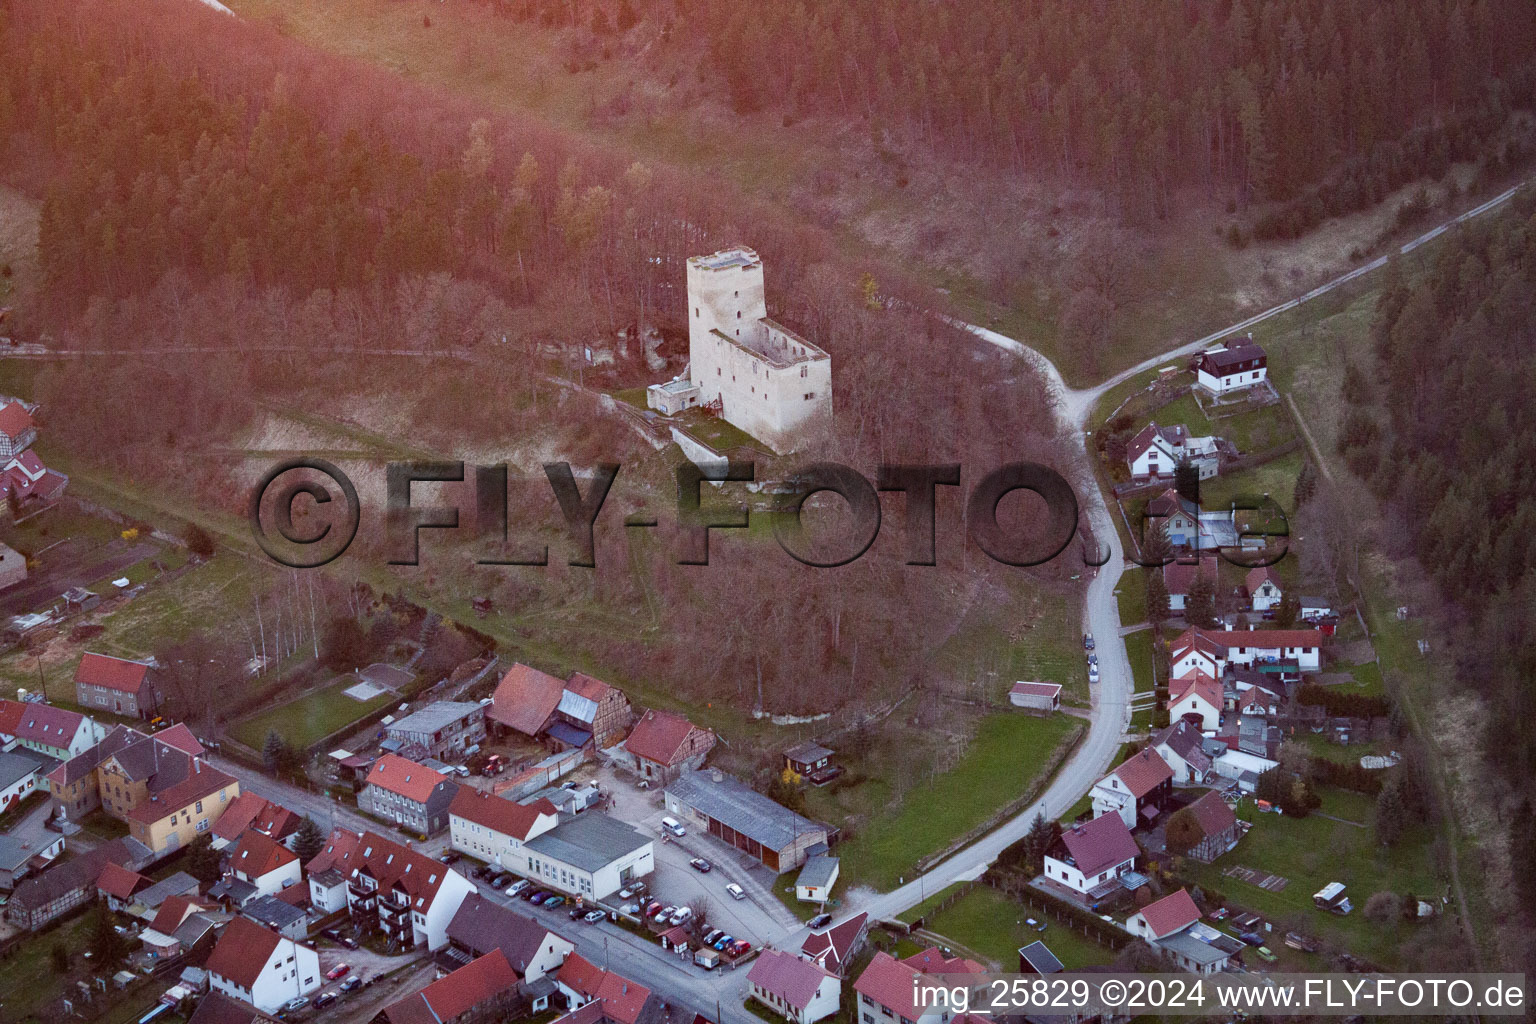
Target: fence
x=1076, y=918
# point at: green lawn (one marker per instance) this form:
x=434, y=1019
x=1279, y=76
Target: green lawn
x=1138, y=648
x=1276, y=479
x=1035, y=635
x=912, y=914
x=987, y=922
x=1132, y=596
x=1008, y=753
x=1314, y=851
x=308, y=719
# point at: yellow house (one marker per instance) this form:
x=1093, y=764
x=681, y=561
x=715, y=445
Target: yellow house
x=172, y=818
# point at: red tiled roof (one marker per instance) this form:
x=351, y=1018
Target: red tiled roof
x=1256, y=577
x=933, y=961
x=337, y=852
x=1036, y=689
x=112, y=673
x=239, y=816
x=500, y=815
x=525, y=698
x=1195, y=639
x=44, y=723
x=473, y=985
x=180, y=737
x=258, y=854
x=621, y=998
x=793, y=980
x=277, y=821
x=1100, y=844
x=1257, y=697
x=172, y=912
x=1178, y=575
x=397, y=866
x=201, y=781
x=583, y=685
x=1141, y=773
x=1200, y=685
x=1213, y=814
x=10, y=716
x=836, y=944
x=409, y=779
x=1265, y=638
x=580, y=975
x=659, y=736
x=14, y=418
x=1173, y=913
x=888, y=982
x=243, y=951
x=116, y=880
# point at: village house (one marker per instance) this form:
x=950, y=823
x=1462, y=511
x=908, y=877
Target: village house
x=493, y=828
x=1179, y=578
x=738, y=815
x=290, y=920
x=327, y=871
x=1212, y=650
x=445, y=729
x=887, y=988
x=412, y=796
x=1182, y=747
x=25, y=480
x=258, y=966
x=217, y=1008
x=258, y=866
x=1196, y=695
x=1262, y=585
x=13, y=567
x=78, y=786
x=173, y=816
x=405, y=895
x=118, y=685
x=17, y=430
x=621, y=1000
x=1090, y=857
x=46, y=729
x=592, y=707
x=249, y=812
x=808, y=758
x=795, y=989
x=482, y=925
x=117, y=886
x=663, y=745
x=1136, y=789
x=835, y=948
x=1231, y=366
x=1155, y=452
x=178, y=927
x=21, y=774
x=755, y=373
x=70, y=883
x=525, y=701
x=20, y=859
x=1172, y=926
x=1035, y=696
x=485, y=989
x=1218, y=826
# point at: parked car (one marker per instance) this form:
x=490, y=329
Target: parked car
x=554, y=901
x=713, y=934
x=632, y=909
x=538, y=898
x=723, y=941
x=325, y=999
x=353, y=983
x=628, y=891
x=1087, y=641
x=1264, y=953
x=820, y=921
x=594, y=916
x=680, y=915
x=1252, y=938
x=736, y=892
x=1093, y=673
x=700, y=865
x=664, y=913
x=1093, y=659
x=518, y=886
x=484, y=871
x=449, y=857
x=651, y=908
x=503, y=879
x=339, y=971
x=741, y=947
x=294, y=1005
x=673, y=826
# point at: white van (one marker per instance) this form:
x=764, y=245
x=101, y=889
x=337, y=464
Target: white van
x=674, y=826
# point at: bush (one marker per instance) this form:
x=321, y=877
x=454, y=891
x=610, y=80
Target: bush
x=1383, y=907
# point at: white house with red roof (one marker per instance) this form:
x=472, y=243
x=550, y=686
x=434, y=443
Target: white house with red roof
x=1162, y=918
x=834, y=948
x=1035, y=696
x=887, y=988
x=494, y=829
x=18, y=432
x=327, y=871
x=258, y=966
x=795, y=989
x=1135, y=790
x=119, y=685
x=47, y=729
x=1172, y=926
x=413, y=796
x=1091, y=855
x=623, y=1001
x=1194, y=651
x=25, y=478
x=406, y=895
x=261, y=866
x=1196, y=694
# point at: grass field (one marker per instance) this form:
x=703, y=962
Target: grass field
x=1131, y=593
x=1006, y=756
x=1313, y=851
x=308, y=719
x=987, y=922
